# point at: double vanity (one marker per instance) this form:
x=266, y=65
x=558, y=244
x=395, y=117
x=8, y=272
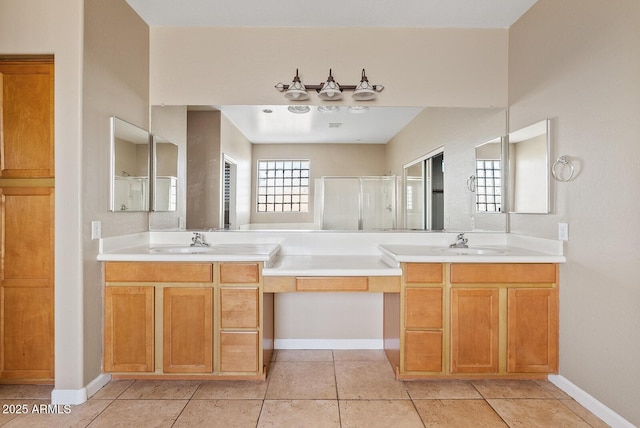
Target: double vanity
x=176, y=311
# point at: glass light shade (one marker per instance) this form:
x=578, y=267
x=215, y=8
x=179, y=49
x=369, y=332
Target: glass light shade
x=296, y=91
x=364, y=92
x=330, y=91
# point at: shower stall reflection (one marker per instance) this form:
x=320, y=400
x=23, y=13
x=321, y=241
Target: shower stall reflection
x=357, y=203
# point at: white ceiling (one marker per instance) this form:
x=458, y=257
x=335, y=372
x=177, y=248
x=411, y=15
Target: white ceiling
x=332, y=13
x=377, y=125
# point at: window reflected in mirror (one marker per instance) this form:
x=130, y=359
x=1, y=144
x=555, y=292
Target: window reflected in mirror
x=488, y=176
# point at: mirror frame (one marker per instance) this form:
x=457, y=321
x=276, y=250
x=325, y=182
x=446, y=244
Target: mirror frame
x=114, y=121
x=536, y=129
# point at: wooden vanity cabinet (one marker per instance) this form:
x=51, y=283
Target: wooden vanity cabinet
x=478, y=320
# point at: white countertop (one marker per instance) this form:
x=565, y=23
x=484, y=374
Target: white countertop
x=331, y=254
x=396, y=254
x=177, y=253
x=342, y=265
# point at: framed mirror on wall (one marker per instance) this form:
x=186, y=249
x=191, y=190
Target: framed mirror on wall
x=130, y=167
x=529, y=169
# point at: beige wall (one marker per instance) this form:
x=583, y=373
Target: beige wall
x=45, y=27
x=419, y=67
x=170, y=123
x=576, y=62
x=235, y=145
x=203, y=169
x=458, y=131
x=115, y=82
x=324, y=160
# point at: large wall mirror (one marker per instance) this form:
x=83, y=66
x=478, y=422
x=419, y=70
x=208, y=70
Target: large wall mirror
x=130, y=164
x=165, y=175
x=529, y=169
x=339, y=141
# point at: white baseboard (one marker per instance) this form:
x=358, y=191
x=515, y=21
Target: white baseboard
x=328, y=344
x=79, y=396
x=590, y=403
x=69, y=396
x=96, y=384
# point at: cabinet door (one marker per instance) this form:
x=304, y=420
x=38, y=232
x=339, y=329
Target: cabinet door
x=26, y=106
x=239, y=351
x=188, y=330
x=474, y=330
x=128, y=330
x=26, y=283
x=532, y=337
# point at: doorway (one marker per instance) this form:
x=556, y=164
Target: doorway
x=424, y=192
x=229, y=194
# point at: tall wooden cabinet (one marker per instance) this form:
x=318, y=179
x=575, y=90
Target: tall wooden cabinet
x=26, y=221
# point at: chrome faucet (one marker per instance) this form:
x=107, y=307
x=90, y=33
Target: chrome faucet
x=197, y=240
x=461, y=242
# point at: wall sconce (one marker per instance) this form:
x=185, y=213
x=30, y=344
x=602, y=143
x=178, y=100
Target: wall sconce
x=330, y=90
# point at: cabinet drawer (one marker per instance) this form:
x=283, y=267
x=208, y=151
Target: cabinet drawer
x=158, y=272
x=239, y=273
x=423, y=351
x=513, y=273
x=423, y=307
x=423, y=273
x=337, y=283
x=239, y=307
x=239, y=352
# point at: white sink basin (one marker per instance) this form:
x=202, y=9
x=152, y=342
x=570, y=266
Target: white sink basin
x=180, y=250
x=473, y=251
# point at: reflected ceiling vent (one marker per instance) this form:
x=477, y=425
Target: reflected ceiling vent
x=335, y=124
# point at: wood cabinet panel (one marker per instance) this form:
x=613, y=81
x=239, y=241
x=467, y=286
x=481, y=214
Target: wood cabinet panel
x=239, y=273
x=513, y=273
x=423, y=273
x=188, y=330
x=423, y=307
x=423, y=351
x=129, y=329
x=26, y=336
x=26, y=107
x=332, y=283
x=27, y=224
x=532, y=344
x=158, y=272
x=474, y=330
x=239, y=351
x=239, y=307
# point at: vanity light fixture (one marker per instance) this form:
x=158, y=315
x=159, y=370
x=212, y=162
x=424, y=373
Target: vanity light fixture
x=330, y=90
x=299, y=109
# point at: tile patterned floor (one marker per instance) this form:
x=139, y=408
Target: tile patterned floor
x=348, y=389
